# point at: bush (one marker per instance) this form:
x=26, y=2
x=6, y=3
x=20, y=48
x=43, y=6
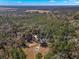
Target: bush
x=18, y=54
x=39, y=56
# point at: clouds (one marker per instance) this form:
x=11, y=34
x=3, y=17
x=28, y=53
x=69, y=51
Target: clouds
x=51, y=1
x=65, y=2
x=76, y=1
x=58, y=1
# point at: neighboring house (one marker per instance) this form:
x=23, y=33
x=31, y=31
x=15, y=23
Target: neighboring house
x=41, y=38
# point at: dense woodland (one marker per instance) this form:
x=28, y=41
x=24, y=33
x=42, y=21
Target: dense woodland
x=59, y=28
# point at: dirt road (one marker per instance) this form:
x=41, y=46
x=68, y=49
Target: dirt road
x=30, y=52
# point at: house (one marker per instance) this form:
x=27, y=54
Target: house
x=42, y=40
x=29, y=38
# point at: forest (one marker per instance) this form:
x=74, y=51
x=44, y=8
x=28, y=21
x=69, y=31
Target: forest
x=56, y=30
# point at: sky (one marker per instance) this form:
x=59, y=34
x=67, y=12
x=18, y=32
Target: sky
x=39, y=2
